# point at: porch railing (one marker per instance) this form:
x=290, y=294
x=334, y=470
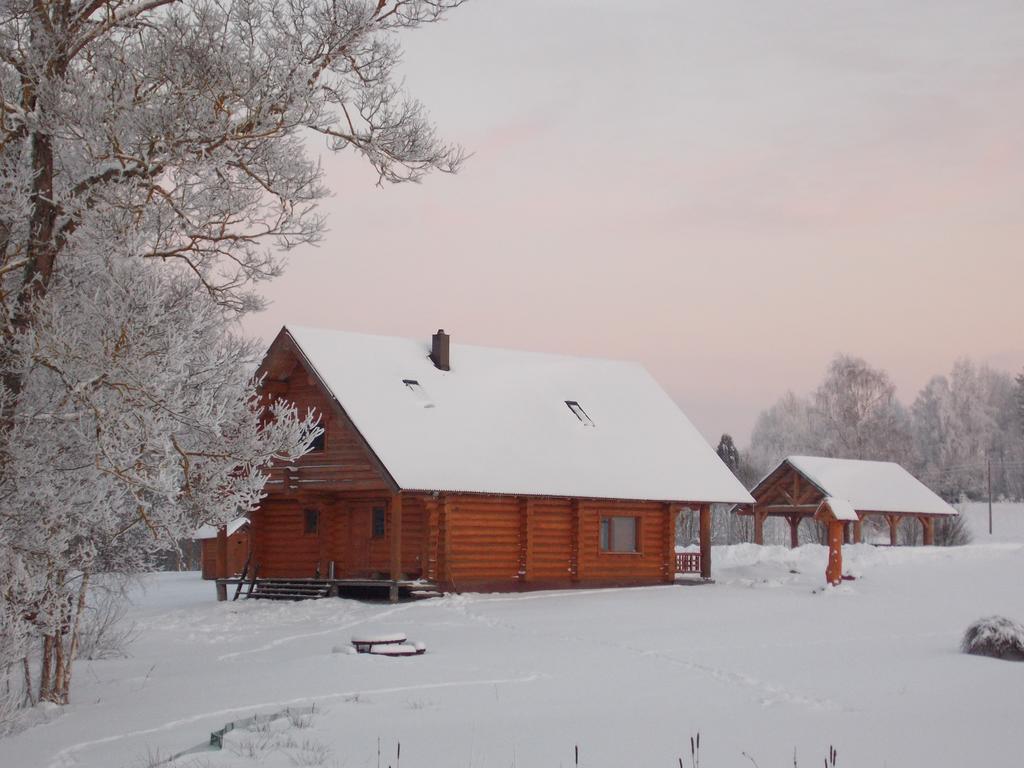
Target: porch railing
x=687, y=562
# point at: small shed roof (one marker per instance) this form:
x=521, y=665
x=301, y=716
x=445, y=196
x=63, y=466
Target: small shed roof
x=210, y=531
x=871, y=486
x=511, y=422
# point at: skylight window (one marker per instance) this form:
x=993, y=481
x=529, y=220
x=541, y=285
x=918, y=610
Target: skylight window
x=579, y=413
x=417, y=390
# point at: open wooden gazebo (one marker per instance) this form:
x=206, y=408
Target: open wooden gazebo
x=795, y=489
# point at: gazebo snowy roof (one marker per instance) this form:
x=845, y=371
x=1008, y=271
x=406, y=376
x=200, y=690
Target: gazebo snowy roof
x=868, y=486
x=511, y=422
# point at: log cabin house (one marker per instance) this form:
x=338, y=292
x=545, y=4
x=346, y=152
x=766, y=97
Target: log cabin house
x=796, y=488
x=471, y=468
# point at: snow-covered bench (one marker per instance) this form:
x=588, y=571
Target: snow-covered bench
x=395, y=644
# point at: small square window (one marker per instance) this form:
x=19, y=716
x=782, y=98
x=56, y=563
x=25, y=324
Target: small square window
x=379, y=522
x=318, y=443
x=311, y=523
x=620, y=534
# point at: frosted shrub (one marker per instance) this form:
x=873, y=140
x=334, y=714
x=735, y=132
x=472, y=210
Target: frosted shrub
x=995, y=636
x=952, y=531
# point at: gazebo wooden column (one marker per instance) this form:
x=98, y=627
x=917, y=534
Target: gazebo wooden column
x=794, y=530
x=396, y=545
x=894, y=524
x=759, y=516
x=705, y=541
x=858, y=531
x=927, y=530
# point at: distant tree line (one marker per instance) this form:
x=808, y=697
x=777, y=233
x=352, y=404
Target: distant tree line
x=956, y=426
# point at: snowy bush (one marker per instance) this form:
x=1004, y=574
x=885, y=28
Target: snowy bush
x=105, y=633
x=995, y=636
x=952, y=531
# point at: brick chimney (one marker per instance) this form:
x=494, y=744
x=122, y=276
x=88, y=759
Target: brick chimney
x=439, y=354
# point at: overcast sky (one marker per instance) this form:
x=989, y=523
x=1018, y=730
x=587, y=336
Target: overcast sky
x=728, y=192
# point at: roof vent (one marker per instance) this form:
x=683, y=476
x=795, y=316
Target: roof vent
x=439, y=354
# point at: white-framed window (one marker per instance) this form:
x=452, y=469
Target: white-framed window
x=620, y=534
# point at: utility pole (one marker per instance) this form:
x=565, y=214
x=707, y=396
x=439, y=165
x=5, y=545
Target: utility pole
x=989, y=465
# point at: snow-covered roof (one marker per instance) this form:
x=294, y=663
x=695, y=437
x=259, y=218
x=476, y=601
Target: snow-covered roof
x=842, y=510
x=871, y=486
x=210, y=531
x=511, y=422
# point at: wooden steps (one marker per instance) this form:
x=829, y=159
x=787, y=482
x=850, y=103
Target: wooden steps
x=289, y=589
x=314, y=589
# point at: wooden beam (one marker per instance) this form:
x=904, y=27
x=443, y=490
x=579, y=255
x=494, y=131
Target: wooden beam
x=396, y=545
x=794, y=531
x=858, y=531
x=222, y=552
x=705, y=541
x=759, y=516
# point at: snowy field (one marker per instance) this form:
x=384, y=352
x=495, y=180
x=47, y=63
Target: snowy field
x=763, y=662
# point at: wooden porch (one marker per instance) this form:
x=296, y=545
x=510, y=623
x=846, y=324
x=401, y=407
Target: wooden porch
x=311, y=589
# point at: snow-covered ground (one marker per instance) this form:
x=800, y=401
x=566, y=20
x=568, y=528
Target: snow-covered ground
x=762, y=662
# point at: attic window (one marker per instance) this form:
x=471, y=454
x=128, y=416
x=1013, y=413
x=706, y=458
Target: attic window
x=417, y=390
x=579, y=413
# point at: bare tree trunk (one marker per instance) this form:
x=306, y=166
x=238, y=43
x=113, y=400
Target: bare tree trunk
x=76, y=626
x=44, y=669
x=29, y=698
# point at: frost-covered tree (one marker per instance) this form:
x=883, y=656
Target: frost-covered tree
x=729, y=453
x=153, y=163
x=136, y=421
x=858, y=414
x=960, y=423
x=786, y=428
x=192, y=118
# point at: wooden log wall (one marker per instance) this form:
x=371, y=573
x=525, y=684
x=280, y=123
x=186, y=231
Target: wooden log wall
x=237, y=552
x=506, y=542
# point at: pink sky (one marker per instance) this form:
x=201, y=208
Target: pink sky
x=730, y=193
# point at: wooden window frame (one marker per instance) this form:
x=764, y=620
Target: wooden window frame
x=310, y=522
x=638, y=527
x=383, y=528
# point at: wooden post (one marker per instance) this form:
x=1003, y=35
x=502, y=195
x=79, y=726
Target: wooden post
x=858, y=531
x=834, y=570
x=705, y=541
x=894, y=522
x=222, y=552
x=928, y=531
x=668, y=566
x=758, y=526
x=794, y=531
x=396, y=545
